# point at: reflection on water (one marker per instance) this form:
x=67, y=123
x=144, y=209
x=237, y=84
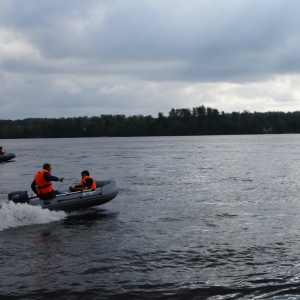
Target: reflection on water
x=89, y=217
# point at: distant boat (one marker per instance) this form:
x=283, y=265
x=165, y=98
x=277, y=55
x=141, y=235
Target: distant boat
x=6, y=157
x=105, y=191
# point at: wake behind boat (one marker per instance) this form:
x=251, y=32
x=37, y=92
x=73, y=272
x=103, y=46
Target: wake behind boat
x=69, y=201
x=6, y=157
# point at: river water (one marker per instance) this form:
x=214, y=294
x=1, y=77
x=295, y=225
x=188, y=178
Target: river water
x=214, y=217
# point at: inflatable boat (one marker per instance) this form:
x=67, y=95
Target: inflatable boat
x=69, y=201
x=6, y=157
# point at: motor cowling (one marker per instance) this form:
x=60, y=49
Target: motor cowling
x=18, y=196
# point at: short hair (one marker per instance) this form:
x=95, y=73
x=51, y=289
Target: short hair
x=85, y=172
x=46, y=166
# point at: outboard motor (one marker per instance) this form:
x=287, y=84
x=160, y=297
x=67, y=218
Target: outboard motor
x=18, y=197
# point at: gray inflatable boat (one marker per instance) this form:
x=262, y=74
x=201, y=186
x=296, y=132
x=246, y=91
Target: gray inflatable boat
x=106, y=191
x=6, y=157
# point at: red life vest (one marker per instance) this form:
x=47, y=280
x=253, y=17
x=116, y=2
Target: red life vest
x=93, y=186
x=42, y=185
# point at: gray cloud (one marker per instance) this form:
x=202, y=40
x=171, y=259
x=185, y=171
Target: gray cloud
x=73, y=58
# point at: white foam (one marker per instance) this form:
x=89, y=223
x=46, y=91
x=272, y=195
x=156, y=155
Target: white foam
x=20, y=214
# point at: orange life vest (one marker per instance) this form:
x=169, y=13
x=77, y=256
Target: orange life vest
x=42, y=185
x=93, y=187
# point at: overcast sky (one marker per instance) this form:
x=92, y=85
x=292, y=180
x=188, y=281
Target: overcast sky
x=76, y=58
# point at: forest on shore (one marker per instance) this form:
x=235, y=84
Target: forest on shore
x=196, y=121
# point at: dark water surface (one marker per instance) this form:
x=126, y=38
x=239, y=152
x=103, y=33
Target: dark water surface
x=196, y=218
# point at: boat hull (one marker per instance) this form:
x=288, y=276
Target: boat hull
x=106, y=191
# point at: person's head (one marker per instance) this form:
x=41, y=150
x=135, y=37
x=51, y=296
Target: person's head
x=85, y=173
x=47, y=167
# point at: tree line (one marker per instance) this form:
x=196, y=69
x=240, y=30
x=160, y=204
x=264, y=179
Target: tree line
x=196, y=121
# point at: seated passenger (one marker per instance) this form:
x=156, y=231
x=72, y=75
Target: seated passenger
x=87, y=183
x=42, y=183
